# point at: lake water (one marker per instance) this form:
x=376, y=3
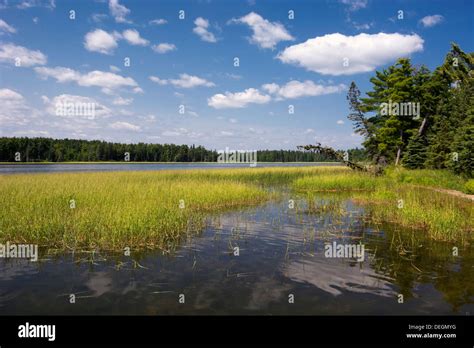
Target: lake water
x=100, y=167
x=281, y=255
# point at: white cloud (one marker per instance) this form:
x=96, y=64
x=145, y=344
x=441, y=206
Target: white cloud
x=118, y=11
x=181, y=132
x=297, y=89
x=238, y=100
x=32, y=133
x=431, y=21
x=26, y=4
x=108, y=81
x=122, y=101
x=363, y=53
x=266, y=34
x=355, y=5
x=13, y=108
x=340, y=122
x=159, y=81
x=124, y=126
x=201, y=29
x=163, y=47
x=5, y=27
x=101, y=41
x=184, y=81
x=133, y=37
x=159, y=21
x=66, y=102
x=60, y=74
x=10, y=53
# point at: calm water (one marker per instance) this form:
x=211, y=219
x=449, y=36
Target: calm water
x=100, y=167
x=281, y=254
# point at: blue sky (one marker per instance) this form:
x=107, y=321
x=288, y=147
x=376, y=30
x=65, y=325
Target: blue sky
x=182, y=86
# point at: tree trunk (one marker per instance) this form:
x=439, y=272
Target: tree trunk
x=399, y=151
x=422, y=127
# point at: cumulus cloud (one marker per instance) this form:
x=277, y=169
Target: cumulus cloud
x=266, y=34
x=66, y=105
x=184, y=81
x=163, y=48
x=201, y=29
x=362, y=53
x=297, y=89
x=158, y=21
x=13, y=108
x=101, y=41
x=124, y=126
x=11, y=53
x=133, y=37
x=238, y=100
x=108, y=81
x=431, y=21
x=5, y=27
x=122, y=101
x=118, y=11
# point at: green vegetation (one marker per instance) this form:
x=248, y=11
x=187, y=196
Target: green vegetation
x=142, y=209
x=469, y=187
x=437, y=135
x=135, y=209
x=113, y=210
x=72, y=150
x=393, y=198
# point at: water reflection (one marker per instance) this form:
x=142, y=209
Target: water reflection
x=281, y=253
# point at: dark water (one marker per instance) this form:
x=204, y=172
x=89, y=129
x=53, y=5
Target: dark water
x=281, y=253
x=100, y=167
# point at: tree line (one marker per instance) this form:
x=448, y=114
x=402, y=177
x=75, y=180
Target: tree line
x=419, y=118
x=23, y=149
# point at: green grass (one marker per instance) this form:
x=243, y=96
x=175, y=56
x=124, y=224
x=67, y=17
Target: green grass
x=135, y=209
x=441, y=178
x=393, y=198
x=113, y=210
x=345, y=181
x=140, y=209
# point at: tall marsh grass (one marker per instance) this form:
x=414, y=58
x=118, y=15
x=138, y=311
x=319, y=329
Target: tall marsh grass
x=399, y=197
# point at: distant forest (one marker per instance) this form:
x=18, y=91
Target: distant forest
x=68, y=150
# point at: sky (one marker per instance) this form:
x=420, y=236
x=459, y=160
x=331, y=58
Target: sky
x=247, y=74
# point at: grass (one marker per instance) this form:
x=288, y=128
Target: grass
x=141, y=209
x=393, y=198
x=113, y=210
x=426, y=177
x=135, y=209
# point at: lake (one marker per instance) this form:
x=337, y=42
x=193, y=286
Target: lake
x=281, y=256
x=99, y=167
